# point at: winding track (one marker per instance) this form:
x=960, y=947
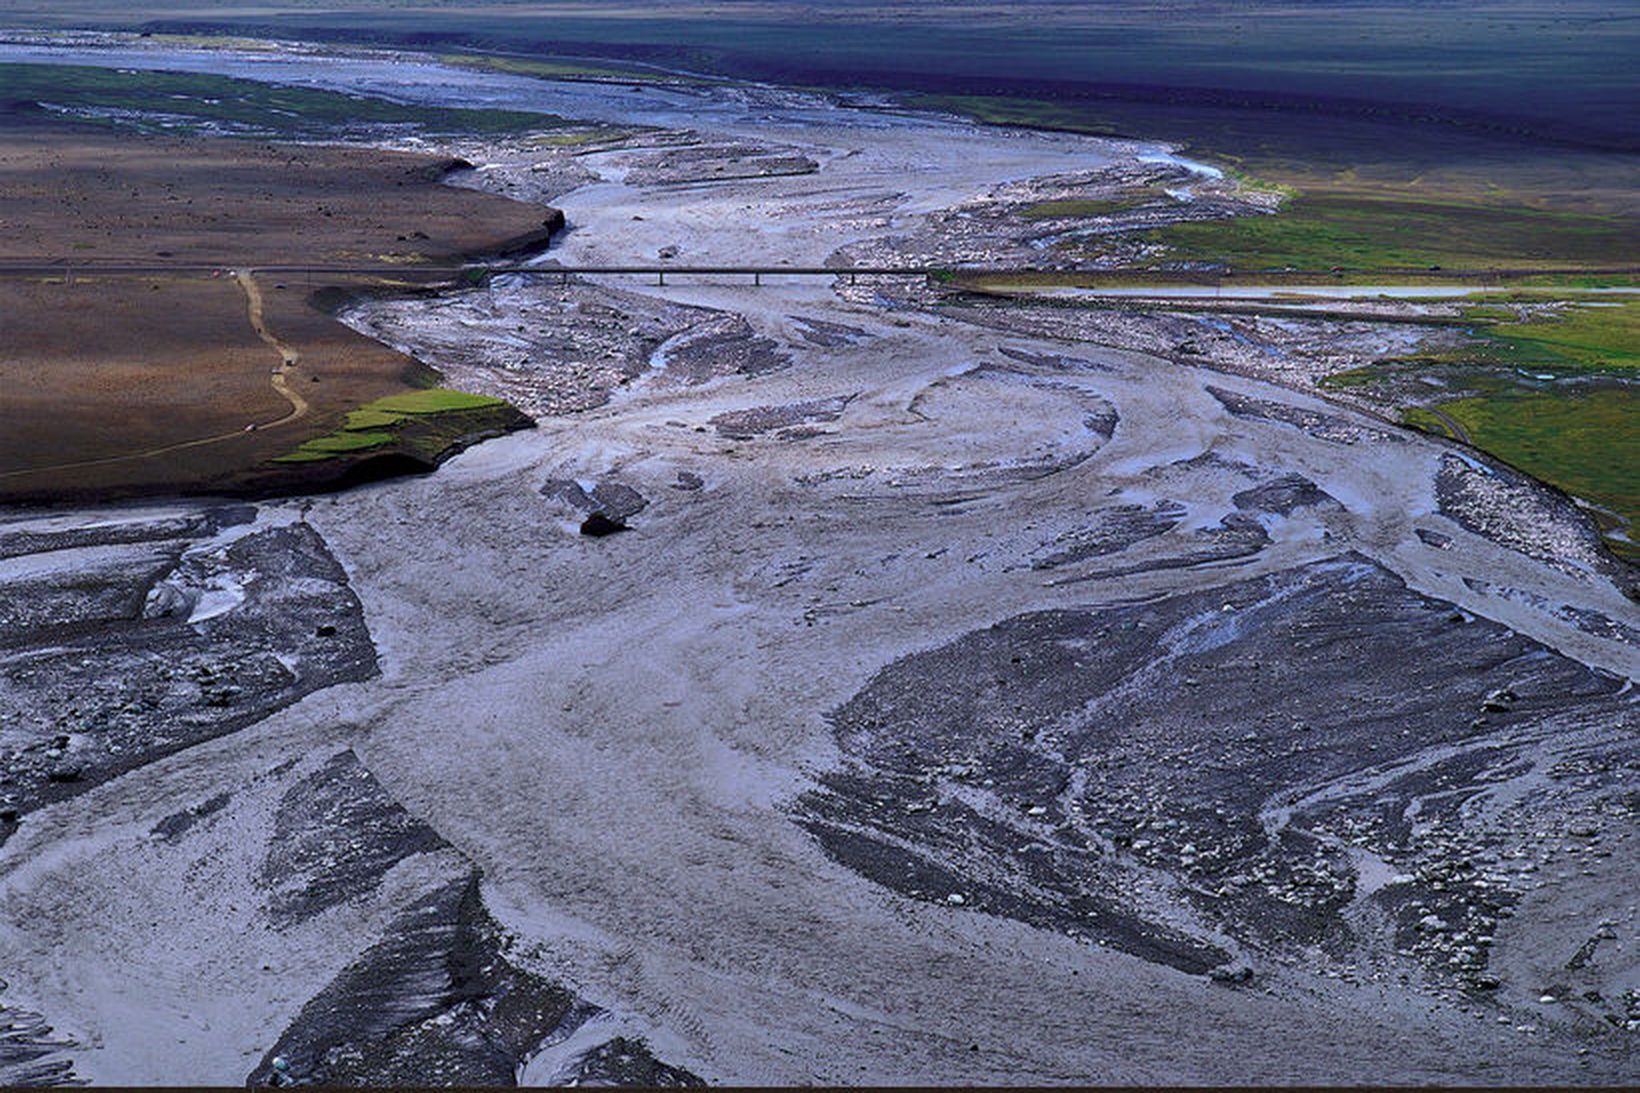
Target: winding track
x=288, y=357
x=1458, y=431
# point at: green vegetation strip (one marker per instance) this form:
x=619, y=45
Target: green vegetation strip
x=1587, y=443
x=432, y=400
x=184, y=102
x=1073, y=207
x=1583, y=433
x=422, y=422
x=1598, y=336
x=1420, y=418
x=1357, y=231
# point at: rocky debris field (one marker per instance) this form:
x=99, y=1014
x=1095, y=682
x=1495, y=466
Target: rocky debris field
x=142, y=634
x=558, y=350
x=132, y=640
x=1060, y=221
x=1292, y=349
x=692, y=162
x=1510, y=508
x=1227, y=779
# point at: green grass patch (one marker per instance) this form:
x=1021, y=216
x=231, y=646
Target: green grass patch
x=214, y=41
x=1071, y=207
x=341, y=442
x=1599, y=336
x=1254, y=184
x=1487, y=313
x=1353, y=377
x=576, y=138
x=1356, y=231
x=1627, y=550
x=1483, y=303
x=431, y=400
x=1589, y=337
x=1587, y=443
x=192, y=102
x=365, y=420
x=1035, y=113
x=1580, y=280
x=423, y=423
x=1420, y=418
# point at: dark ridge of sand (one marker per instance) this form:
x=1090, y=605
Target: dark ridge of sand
x=112, y=381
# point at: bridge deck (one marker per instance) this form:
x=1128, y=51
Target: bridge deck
x=39, y=267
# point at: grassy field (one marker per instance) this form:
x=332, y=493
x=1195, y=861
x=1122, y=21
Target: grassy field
x=1603, y=335
x=421, y=424
x=1373, y=231
x=184, y=102
x=1590, y=335
x=1364, y=193
x=1583, y=433
x=1072, y=207
x=1586, y=442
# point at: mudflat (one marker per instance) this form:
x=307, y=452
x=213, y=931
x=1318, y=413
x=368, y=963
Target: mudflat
x=120, y=383
x=85, y=192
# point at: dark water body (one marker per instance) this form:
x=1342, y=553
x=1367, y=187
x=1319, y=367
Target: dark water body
x=1562, y=76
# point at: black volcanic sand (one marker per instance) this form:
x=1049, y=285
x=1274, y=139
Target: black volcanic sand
x=436, y=1002
x=31, y=1054
x=102, y=671
x=1219, y=780
x=150, y=632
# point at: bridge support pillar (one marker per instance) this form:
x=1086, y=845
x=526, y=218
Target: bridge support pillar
x=757, y=278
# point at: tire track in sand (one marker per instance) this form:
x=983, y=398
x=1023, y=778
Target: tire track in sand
x=1459, y=433
x=288, y=358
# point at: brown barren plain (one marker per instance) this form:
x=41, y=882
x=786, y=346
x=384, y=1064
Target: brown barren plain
x=123, y=384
